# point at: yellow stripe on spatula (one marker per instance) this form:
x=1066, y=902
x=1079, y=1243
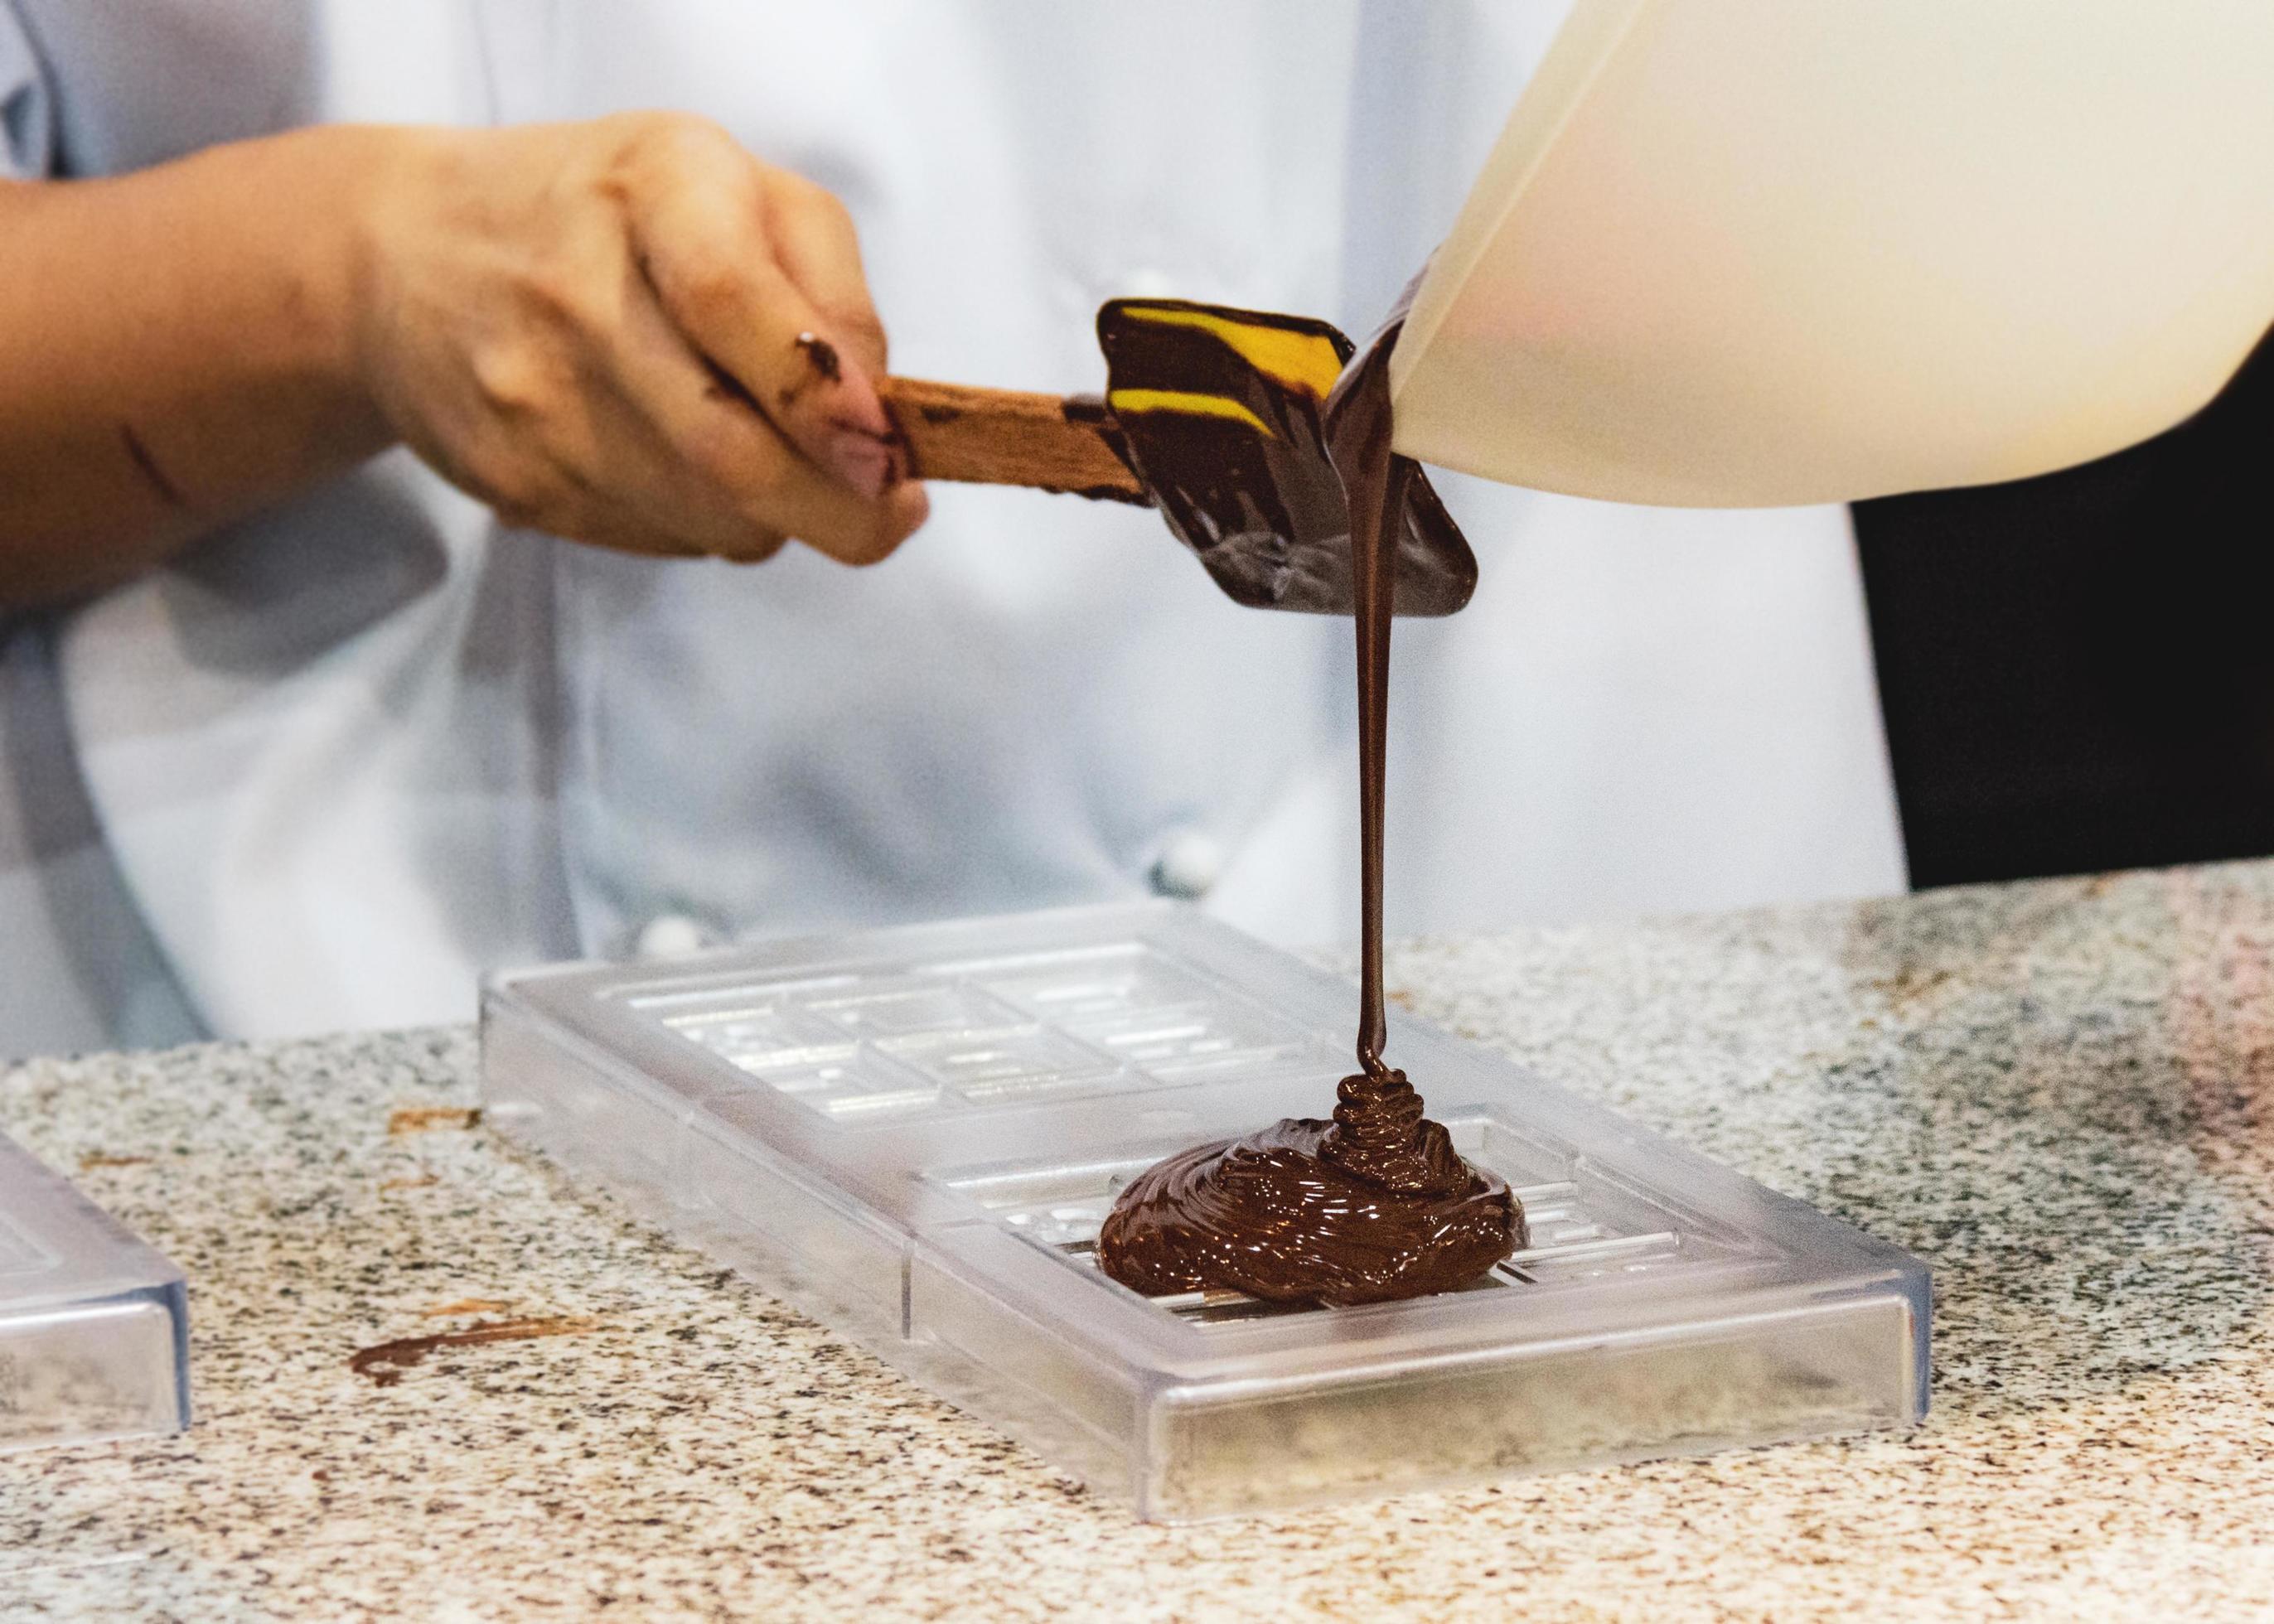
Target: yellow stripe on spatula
x=1306, y=361
x=1188, y=403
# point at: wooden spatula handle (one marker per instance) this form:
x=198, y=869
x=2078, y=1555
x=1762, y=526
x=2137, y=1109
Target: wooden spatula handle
x=1050, y=442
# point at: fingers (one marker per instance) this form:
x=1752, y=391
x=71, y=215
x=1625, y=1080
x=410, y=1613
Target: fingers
x=759, y=486
x=644, y=542
x=595, y=465
x=818, y=248
x=663, y=347
x=702, y=238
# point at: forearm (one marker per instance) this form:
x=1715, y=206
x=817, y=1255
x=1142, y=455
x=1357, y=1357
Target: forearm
x=177, y=349
x=626, y=331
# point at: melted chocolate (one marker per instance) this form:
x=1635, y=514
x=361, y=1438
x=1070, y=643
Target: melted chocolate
x=1376, y=1204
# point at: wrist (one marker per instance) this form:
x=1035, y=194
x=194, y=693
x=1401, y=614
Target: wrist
x=384, y=180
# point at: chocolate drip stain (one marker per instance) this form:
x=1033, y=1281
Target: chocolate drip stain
x=724, y=386
x=1375, y=1205
x=821, y=355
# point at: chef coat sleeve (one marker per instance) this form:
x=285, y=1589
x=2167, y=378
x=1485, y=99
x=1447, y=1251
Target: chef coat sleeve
x=27, y=131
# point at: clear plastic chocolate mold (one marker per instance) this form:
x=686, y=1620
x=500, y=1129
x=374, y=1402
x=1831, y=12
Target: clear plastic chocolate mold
x=914, y=1133
x=94, y=1323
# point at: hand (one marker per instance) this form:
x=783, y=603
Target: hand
x=632, y=332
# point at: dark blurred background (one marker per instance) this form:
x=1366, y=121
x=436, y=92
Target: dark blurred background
x=2077, y=671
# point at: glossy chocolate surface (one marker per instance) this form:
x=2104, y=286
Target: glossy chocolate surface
x=1372, y=1205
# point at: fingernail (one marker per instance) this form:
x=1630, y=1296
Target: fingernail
x=851, y=397
x=863, y=461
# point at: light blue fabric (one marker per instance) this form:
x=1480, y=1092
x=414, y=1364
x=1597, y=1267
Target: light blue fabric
x=79, y=969
x=130, y=83
x=28, y=115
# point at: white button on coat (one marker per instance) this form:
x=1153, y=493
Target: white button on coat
x=671, y=935
x=1188, y=865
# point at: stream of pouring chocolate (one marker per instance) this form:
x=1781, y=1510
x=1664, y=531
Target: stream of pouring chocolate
x=1375, y=1203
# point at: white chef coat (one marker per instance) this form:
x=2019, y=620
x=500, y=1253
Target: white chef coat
x=346, y=756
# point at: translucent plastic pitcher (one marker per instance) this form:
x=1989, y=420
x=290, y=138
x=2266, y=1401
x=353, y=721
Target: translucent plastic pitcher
x=1749, y=252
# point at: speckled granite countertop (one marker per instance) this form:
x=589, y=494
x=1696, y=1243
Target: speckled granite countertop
x=2058, y=1094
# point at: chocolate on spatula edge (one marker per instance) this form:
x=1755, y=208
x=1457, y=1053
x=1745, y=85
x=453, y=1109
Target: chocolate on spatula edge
x=1213, y=415
x=1375, y=1203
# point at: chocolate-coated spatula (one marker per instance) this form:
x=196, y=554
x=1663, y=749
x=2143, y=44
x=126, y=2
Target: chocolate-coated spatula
x=1213, y=415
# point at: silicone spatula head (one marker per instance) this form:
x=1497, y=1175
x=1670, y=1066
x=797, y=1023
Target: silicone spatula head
x=1220, y=413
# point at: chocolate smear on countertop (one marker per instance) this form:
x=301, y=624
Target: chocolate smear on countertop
x=426, y=1118
x=1375, y=1203
x=385, y=1363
